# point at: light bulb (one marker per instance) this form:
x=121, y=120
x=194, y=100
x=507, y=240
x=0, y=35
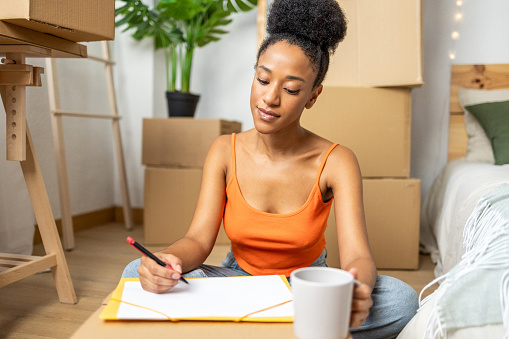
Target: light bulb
x=459, y=2
x=458, y=16
x=455, y=35
x=452, y=55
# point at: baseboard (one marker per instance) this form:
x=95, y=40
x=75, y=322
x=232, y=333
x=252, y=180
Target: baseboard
x=137, y=215
x=93, y=219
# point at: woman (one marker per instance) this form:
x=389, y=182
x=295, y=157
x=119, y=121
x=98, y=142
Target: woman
x=274, y=184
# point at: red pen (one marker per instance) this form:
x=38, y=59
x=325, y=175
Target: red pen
x=146, y=252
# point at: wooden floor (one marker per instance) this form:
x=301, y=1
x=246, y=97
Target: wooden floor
x=30, y=308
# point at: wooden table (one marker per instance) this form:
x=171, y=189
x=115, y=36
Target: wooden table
x=136, y=329
x=97, y=328
x=17, y=43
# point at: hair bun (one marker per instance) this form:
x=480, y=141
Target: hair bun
x=321, y=21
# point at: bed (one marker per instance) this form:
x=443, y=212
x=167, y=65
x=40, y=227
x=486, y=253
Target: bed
x=465, y=215
x=448, y=205
x=470, y=172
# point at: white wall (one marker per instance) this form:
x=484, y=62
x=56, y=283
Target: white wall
x=483, y=38
x=134, y=79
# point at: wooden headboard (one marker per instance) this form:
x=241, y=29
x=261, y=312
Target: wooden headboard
x=489, y=76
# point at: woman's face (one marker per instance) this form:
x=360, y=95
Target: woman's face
x=282, y=87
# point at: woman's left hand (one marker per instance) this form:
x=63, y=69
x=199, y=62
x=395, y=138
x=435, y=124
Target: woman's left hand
x=361, y=302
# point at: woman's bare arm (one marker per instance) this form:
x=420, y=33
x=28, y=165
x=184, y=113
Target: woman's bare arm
x=344, y=177
x=191, y=251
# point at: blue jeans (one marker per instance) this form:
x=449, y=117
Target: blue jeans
x=394, y=302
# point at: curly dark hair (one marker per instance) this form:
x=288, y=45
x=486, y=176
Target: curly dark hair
x=316, y=26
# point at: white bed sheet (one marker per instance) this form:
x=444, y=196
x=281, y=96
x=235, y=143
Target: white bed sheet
x=448, y=205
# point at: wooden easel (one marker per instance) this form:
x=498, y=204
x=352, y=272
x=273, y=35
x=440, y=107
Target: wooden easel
x=58, y=140
x=17, y=43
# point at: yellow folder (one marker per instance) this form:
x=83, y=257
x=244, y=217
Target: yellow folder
x=251, y=298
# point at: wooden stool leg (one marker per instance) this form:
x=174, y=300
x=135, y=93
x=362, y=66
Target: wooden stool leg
x=46, y=222
x=14, y=100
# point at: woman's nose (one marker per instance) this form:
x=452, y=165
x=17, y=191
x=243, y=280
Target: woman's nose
x=271, y=96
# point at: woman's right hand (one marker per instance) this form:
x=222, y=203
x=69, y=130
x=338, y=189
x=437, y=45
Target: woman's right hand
x=156, y=278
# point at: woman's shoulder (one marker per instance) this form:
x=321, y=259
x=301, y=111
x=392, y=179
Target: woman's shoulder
x=243, y=139
x=339, y=152
x=341, y=158
x=342, y=165
x=220, y=150
x=224, y=142
x=220, y=144
x=343, y=153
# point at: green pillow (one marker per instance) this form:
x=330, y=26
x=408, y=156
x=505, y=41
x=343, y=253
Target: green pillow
x=494, y=119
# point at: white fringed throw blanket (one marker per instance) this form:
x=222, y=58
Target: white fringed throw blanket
x=476, y=291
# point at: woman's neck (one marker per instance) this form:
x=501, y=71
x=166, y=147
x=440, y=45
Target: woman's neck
x=282, y=144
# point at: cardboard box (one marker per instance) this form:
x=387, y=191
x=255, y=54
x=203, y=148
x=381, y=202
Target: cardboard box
x=382, y=47
x=373, y=122
x=75, y=20
x=392, y=208
x=181, y=142
x=35, y=44
x=170, y=199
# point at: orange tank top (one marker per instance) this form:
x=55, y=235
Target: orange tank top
x=268, y=243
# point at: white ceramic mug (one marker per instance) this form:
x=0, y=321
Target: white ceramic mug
x=322, y=301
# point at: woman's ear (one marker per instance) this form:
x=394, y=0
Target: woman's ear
x=314, y=95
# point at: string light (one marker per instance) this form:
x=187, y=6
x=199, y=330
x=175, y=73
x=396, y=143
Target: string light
x=455, y=35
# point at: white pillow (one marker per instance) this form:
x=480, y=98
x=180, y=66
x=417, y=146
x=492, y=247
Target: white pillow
x=479, y=146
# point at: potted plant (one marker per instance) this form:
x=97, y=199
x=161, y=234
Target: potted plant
x=178, y=27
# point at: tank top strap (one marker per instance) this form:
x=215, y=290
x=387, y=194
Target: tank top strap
x=324, y=161
x=234, y=162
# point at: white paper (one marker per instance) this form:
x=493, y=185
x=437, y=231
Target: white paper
x=230, y=297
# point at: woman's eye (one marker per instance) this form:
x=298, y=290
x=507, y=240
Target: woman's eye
x=263, y=82
x=289, y=91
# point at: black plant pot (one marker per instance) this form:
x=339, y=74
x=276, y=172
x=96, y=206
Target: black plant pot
x=181, y=104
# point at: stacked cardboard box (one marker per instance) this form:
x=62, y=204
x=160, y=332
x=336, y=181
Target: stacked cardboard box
x=174, y=150
x=73, y=20
x=382, y=46
x=366, y=106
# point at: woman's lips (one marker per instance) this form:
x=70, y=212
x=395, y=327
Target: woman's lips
x=267, y=115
